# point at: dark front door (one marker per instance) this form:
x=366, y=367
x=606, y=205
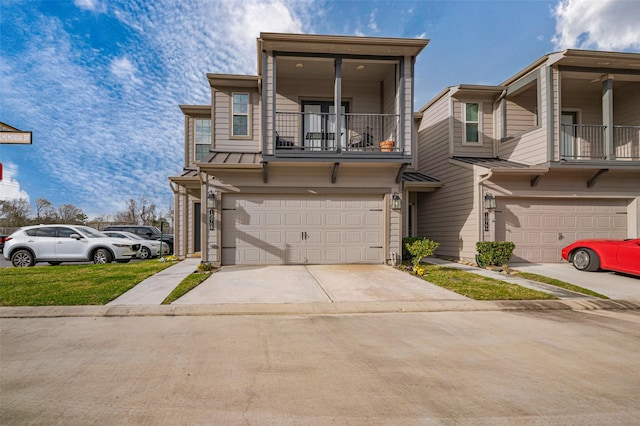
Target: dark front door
x=197, y=226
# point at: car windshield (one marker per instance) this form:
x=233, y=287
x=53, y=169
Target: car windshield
x=132, y=236
x=90, y=232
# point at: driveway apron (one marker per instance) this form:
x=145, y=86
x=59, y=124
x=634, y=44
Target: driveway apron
x=313, y=283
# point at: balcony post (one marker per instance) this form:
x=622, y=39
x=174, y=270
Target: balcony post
x=607, y=116
x=338, y=104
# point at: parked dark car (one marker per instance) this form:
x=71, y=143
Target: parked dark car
x=146, y=232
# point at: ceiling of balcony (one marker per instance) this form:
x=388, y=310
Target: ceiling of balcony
x=313, y=68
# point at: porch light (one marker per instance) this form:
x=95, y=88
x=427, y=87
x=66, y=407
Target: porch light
x=299, y=65
x=211, y=200
x=360, y=67
x=489, y=201
x=396, y=202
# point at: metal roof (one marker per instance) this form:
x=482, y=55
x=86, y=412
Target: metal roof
x=418, y=177
x=492, y=163
x=231, y=159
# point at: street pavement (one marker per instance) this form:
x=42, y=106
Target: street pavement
x=559, y=367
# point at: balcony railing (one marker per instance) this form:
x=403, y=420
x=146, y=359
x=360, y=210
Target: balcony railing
x=316, y=132
x=626, y=142
x=587, y=142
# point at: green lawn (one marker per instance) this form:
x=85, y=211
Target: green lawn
x=558, y=283
x=72, y=284
x=188, y=284
x=476, y=286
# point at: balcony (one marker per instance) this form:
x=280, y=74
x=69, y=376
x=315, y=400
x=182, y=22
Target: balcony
x=587, y=142
x=309, y=134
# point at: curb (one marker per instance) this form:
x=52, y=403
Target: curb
x=316, y=308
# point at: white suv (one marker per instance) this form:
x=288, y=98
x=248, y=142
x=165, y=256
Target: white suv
x=65, y=243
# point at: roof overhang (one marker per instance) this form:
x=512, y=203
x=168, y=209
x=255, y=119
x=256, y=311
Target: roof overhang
x=196, y=110
x=233, y=80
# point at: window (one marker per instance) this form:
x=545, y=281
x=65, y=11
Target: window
x=240, y=112
x=202, y=137
x=471, y=123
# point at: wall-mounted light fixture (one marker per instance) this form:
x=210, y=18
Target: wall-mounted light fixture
x=211, y=205
x=211, y=200
x=396, y=201
x=489, y=201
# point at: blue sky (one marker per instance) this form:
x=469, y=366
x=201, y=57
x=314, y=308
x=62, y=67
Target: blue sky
x=99, y=82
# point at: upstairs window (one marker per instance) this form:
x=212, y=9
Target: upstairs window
x=202, y=137
x=240, y=114
x=472, y=129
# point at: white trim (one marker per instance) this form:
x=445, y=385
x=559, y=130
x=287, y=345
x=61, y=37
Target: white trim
x=233, y=114
x=464, y=124
x=195, y=121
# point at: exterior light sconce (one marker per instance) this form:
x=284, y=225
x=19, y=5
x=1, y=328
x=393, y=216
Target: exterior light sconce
x=489, y=201
x=396, y=202
x=211, y=205
x=211, y=200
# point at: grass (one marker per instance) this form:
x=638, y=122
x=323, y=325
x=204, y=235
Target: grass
x=186, y=285
x=476, y=286
x=72, y=284
x=558, y=283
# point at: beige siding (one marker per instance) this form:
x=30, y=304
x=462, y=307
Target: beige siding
x=222, y=132
x=189, y=141
x=588, y=105
x=447, y=215
x=267, y=87
x=521, y=111
x=485, y=149
x=408, y=106
x=626, y=105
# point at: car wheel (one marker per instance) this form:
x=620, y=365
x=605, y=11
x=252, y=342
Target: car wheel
x=102, y=256
x=54, y=263
x=585, y=259
x=145, y=253
x=22, y=258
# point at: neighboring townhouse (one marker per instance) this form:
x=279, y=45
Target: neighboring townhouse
x=550, y=156
x=307, y=161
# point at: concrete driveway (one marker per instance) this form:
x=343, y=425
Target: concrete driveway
x=313, y=283
x=610, y=284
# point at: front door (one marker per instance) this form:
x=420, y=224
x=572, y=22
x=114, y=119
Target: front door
x=197, y=226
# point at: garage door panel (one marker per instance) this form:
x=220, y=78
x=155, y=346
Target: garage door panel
x=302, y=229
x=541, y=227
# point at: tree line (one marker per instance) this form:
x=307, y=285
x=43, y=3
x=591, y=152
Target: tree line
x=19, y=212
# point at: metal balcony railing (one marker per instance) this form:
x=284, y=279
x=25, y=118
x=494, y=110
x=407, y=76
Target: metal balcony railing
x=587, y=142
x=316, y=132
x=626, y=142
x=582, y=142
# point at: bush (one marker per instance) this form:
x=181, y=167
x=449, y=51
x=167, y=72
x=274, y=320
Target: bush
x=407, y=241
x=494, y=253
x=420, y=249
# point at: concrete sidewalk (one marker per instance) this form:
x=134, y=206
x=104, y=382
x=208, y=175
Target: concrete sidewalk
x=156, y=288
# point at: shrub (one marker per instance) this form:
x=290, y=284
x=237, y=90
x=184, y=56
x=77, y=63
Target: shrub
x=494, y=253
x=420, y=249
x=206, y=267
x=407, y=241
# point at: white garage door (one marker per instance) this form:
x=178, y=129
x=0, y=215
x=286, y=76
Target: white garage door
x=541, y=227
x=278, y=229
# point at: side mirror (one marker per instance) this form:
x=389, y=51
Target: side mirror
x=75, y=236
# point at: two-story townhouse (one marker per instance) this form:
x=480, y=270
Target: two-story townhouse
x=550, y=156
x=305, y=162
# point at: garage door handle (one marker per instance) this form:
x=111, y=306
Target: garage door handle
x=375, y=246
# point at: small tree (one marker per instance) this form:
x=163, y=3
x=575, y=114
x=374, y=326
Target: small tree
x=420, y=249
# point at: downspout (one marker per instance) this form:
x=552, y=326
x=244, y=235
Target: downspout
x=481, y=218
x=204, y=214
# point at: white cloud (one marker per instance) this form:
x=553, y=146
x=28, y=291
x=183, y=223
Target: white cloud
x=373, y=26
x=91, y=5
x=9, y=187
x=124, y=70
x=602, y=24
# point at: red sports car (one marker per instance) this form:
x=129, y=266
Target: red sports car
x=609, y=255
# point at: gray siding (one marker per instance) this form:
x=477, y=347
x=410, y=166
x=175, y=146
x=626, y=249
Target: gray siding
x=626, y=105
x=485, y=149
